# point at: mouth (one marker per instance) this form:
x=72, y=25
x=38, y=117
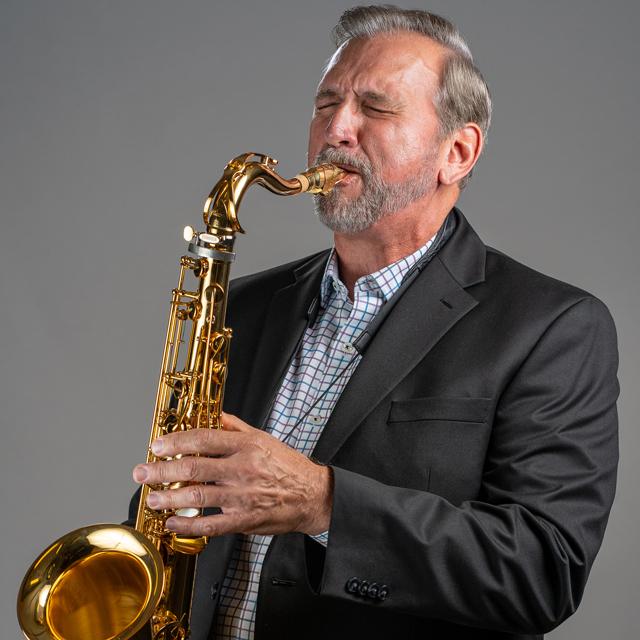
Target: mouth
x=351, y=176
x=347, y=167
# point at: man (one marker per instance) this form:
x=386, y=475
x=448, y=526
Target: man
x=445, y=473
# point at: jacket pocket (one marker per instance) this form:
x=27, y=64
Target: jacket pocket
x=440, y=408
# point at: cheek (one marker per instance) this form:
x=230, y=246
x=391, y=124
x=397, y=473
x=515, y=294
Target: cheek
x=401, y=151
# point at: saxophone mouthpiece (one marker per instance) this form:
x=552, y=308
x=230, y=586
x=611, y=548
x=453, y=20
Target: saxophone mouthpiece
x=320, y=179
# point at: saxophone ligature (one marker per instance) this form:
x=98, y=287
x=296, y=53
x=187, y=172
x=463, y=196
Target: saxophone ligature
x=114, y=582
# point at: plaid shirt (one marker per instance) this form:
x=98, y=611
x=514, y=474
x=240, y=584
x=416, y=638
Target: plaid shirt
x=316, y=377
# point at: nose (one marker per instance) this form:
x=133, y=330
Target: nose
x=342, y=128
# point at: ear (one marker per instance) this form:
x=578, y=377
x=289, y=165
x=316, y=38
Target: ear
x=463, y=150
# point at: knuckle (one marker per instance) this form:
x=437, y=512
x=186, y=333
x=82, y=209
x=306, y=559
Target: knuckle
x=189, y=468
x=167, y=500
x=197, y=496
x=256, y=456
x=201, y=439
x=247, y=502
x=254, y=440
x=207, y=527
x=161, y=469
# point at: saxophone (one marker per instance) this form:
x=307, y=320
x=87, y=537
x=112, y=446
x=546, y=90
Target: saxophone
x=113, y=582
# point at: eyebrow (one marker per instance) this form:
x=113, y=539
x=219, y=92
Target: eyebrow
x=379, y=99
x=327, y=93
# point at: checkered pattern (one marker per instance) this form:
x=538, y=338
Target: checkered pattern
x=314, y=381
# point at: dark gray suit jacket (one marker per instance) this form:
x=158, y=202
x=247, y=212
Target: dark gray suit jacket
x=474, y=453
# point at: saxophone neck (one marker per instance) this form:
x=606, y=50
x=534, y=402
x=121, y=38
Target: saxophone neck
x=221, y=207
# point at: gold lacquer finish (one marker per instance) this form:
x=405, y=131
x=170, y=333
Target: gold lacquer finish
x=112, y=582
x=97, y=582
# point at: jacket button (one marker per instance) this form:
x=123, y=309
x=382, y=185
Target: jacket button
x=372, y=591
x=353, y=585
x=383, y=592
x=364, y=588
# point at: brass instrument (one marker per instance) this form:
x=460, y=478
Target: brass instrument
x=112, y=582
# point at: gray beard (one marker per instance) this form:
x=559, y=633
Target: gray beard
x=377, y=199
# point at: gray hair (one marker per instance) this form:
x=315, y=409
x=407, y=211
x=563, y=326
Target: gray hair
x=463, y=95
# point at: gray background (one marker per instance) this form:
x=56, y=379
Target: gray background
x=116, y=119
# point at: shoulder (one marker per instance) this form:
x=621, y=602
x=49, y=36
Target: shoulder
x=515, y=290
x=262, y=284
x=509, y=293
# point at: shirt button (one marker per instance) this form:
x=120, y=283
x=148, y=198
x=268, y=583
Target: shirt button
x=316, y=419
x=347, y=347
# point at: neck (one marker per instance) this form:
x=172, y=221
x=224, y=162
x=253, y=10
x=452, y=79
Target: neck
x=393, y=237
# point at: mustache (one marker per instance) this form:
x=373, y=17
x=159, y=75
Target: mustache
x=337, y=156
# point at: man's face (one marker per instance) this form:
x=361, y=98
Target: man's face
x=374, y=116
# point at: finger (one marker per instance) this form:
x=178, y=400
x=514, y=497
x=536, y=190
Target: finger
x=233, y=423
x=183, y=470
x=196, y=495
x=207, y=442
x=216, y=525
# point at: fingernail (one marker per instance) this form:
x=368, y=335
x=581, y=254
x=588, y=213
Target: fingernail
x=140, y=474
x=157, y=446
x=170, y=524
x=153, y=500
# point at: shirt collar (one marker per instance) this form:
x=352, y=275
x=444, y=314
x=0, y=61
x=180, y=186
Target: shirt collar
x=382, y=283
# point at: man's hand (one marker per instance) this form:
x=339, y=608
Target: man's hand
x=261, y=485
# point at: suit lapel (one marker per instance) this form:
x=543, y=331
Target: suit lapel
x=433, y=304
x=283, y=327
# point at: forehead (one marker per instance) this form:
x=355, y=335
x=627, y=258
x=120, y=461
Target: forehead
x=393, y=64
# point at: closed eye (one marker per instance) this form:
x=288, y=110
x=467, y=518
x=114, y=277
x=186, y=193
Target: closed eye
x=376, y=110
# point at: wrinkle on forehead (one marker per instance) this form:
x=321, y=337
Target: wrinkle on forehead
x=387, y=60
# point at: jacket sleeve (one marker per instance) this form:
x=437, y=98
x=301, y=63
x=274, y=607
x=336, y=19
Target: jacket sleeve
x=517, y=558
